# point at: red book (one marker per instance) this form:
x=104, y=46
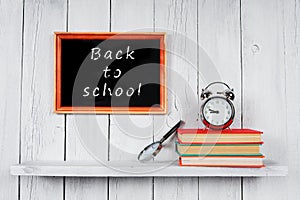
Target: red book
x=227, y=136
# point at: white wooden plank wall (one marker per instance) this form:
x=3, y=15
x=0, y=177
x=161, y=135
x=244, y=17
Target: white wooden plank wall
x=270, y=52
x=42, y=132
x=254, y=45
x=219, y=36
x=179, y=20
x=10, y=88
x=129, y=134
x=94, y=16
x=291, y=30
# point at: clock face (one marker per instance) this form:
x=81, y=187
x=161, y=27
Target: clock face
x=218, y=111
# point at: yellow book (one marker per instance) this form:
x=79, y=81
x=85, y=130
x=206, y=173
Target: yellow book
x=217, y=149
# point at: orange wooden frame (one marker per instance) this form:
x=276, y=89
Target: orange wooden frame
x=58, y=108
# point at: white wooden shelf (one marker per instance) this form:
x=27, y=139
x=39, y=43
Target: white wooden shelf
x=136, y=169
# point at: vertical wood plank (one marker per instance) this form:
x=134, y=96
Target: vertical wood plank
x=130, y=133
x=10, y=90
x=179, y=19
x=42, y=132
x=265, y=89
x=292, y=65
x=94, y=16
x=219, y=37
x=89, y=15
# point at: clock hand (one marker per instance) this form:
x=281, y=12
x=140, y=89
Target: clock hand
x=213, y=111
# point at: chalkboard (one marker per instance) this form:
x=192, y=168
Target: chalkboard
x=110, y=73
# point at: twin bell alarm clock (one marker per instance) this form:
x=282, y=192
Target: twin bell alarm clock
x=217, y=110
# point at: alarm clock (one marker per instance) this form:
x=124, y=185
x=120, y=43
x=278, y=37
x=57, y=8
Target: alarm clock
x=217, y=110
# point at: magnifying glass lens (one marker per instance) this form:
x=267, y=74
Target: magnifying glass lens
x=153, y=149
x=149, y=152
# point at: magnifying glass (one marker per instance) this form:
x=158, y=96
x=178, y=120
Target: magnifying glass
x=153, y=149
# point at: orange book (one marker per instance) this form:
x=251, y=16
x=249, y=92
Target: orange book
x=222, y=161
x=227, y=136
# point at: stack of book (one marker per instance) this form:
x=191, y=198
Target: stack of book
x=223, y=148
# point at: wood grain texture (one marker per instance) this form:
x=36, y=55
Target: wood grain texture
x=42, y=132
x=83, y=129
x=270, y=60
x=92, y=168
x=292, y=66
x=219, y=188
x=264, y=70
x=89, y=16
x=176, y=188
x=130, y=133
x=179, y=19
x=219, y=37
x=10, y=91
x=81, y=146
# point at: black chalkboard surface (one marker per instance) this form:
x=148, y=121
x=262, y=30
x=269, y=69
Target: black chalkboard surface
x=110, y=73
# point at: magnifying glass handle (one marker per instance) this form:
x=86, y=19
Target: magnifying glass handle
x=168, y=134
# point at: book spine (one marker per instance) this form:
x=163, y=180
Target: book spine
x=226, y=131
x=218, y=155
x=181, y=142
x=234, y=166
